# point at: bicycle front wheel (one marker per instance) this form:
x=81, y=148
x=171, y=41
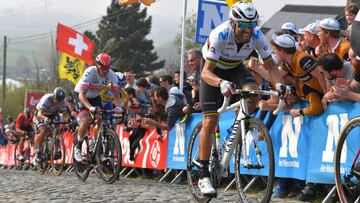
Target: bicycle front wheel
x=109, y=156
x=254, y=156
x=193, y=166
x=347, y=162
x=82, y=169
x=57, y=155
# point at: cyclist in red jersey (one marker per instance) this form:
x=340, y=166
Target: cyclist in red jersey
x=24, y=127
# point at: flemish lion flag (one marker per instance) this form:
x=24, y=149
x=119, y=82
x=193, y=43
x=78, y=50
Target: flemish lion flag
x=70, y=68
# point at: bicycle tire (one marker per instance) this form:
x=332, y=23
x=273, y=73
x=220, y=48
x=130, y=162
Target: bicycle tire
x=193, y=171
x=343, y=193
x=82, y=169
x=254, y=123
x=104, y=166
x=44, y=165
x=57, y=166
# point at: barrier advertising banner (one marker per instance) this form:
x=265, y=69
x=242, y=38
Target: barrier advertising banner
x=150, y=153
x=32, y=97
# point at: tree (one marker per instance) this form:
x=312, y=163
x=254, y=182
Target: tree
x=190, y=26
x=121, y=34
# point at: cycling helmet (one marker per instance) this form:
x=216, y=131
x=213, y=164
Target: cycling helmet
x=27, y=112
x=59, y=93
x=243, y=12
x=103, y=61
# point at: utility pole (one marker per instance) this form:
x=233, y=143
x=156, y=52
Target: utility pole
x=4, y=74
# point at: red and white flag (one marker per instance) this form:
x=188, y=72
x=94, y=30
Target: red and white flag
x=75, y=44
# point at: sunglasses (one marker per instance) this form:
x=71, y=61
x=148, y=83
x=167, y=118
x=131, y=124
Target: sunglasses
x=243, y=25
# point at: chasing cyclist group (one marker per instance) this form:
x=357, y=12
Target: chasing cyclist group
x=317, y=61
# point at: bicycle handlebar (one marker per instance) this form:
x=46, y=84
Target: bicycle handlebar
x=246, y=93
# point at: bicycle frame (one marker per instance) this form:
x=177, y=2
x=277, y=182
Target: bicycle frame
x=242, y=115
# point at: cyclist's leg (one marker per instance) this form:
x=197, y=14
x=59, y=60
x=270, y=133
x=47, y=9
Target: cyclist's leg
x=21, y=144
x=38, y=140
x=209, y=100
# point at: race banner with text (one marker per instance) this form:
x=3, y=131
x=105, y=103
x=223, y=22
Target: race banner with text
x=150, y=153
x=211, y=13
x=32, y=97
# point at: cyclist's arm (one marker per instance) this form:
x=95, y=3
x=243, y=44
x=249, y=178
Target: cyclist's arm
x=207, y=74
x=40, y=115
x=84, y=100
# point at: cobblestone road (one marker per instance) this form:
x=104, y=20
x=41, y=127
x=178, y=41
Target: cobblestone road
x=29, y=186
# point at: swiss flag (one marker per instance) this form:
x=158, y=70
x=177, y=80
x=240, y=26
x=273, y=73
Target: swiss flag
x=74, y=44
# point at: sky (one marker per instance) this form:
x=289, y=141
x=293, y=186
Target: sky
x=20, y=18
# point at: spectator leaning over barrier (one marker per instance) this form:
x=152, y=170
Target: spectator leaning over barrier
x=303, y=67
x=349, y=91
x=331, y=40
x=24, y=128
x=142, y=94
x=194, y=58
x=311, y=38
x=173, y=108
x=166, y=81
x=335, y=72
x=130, y=79
x=351, y=11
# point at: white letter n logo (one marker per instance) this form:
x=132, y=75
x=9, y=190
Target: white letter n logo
x=288, y=135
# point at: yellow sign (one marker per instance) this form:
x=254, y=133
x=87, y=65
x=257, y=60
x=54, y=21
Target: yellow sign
x=70, y=68
x=231, y=2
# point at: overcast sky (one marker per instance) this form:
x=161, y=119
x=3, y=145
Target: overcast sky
x=27, y=17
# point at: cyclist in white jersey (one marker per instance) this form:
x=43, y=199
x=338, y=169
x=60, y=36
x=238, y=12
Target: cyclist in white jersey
x=87, y=98
x=48, y=107
x=228, y=46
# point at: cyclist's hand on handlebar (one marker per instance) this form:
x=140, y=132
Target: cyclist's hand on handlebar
x=47, y=120
x=227, y=88
x=118, y=110
x=93, y=109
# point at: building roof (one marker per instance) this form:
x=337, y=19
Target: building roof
x=300, y=15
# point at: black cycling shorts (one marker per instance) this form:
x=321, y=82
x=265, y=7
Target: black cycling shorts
x=80, y=107
x=211, y=98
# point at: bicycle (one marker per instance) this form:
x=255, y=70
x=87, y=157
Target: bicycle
x=53, y=148
x=347, y=162
x=104, y=154
x=28, y=153
x=253, y=150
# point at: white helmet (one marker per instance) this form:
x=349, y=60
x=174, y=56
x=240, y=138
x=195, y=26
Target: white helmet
x=243, y=12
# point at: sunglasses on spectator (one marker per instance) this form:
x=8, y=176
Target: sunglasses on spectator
x=243, y=25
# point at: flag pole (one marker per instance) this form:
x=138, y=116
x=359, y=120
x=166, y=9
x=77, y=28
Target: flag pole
x=182, y=56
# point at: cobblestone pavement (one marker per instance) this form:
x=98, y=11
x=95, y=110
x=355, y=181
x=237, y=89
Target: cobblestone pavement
x=29, y=186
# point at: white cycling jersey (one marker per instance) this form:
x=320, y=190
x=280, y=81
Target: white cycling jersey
x=92, y=83
x=222, y=49
x=48, y=106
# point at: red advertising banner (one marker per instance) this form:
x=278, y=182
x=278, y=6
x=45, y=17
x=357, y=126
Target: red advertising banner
x=32, y=98
x=151, y=152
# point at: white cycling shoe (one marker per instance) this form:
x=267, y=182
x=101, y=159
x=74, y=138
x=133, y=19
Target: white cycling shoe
x=77, y=154
x=206, y=187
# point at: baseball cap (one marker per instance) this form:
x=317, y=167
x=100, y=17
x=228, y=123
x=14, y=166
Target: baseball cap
x=289, y=26
x=284, y=40
x=330, y=24
x=312, y=28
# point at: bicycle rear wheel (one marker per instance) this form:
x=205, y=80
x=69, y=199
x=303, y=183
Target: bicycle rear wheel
x=57, y=155
x=82, y=169
x=44, y=165
x=193, y=166
x=255, y=157
x=109, y=156
x=347, y=162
